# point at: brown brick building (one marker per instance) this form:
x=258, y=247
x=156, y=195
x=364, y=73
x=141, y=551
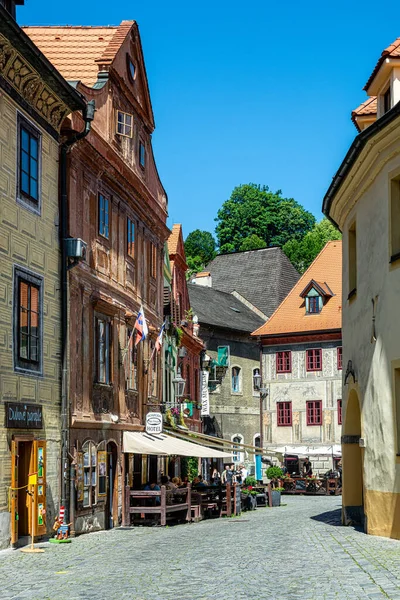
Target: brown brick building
x=117, y=206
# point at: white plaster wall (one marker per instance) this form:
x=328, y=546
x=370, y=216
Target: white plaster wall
x=372, y=360
x=298, y=387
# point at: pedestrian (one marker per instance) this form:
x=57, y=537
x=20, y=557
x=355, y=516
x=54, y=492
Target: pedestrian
x=224, y=474
x=244, y=472
x=215, y=476
x=307, y=468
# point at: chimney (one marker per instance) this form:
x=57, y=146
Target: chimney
x=203, y=278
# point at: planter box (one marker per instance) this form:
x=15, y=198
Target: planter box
x=276, y=498
x=249, y=502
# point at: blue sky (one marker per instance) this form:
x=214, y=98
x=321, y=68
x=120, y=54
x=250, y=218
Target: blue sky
x=245, y=92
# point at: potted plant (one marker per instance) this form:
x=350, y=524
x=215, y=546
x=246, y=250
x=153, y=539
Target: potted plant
x=249, y=498
x=274, y=474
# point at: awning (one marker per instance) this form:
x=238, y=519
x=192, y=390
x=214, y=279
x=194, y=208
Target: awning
x=301, y=451
x=139, y=442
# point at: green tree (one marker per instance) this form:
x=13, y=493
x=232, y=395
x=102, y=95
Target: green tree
x=200, y=244
x=253, y=242
x=255, y=210
x=302, y=253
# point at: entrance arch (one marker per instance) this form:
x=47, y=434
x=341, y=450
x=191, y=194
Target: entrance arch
x=352, y=462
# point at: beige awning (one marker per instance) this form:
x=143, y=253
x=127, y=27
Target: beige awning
x=140, y=442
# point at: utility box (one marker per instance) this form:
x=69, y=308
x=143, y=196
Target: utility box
x=75, y=248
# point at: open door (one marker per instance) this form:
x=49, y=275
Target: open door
x=13, y=498
x=40, y=489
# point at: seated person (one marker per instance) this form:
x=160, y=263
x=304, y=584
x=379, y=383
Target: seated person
x=151, y=486
x=177, y=481
x=198, y=482
x=168, y=484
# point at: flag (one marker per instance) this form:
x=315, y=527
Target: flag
x=159, y=339
x=140, y=327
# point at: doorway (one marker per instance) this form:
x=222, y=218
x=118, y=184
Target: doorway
x=352, y=459
x=111, y=504
x=23, y=504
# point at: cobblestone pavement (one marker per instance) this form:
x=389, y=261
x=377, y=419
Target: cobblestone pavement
x=296, y=551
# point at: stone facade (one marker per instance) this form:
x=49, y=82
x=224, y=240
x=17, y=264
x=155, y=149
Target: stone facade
x=29, y=252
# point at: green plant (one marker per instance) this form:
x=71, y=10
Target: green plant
x=274, y=473
x=178, y=336
x=193, y=468
x=279, y=489
x=249, y=492
x=250, y=480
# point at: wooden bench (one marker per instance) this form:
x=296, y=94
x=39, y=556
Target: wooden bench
x=158, y=508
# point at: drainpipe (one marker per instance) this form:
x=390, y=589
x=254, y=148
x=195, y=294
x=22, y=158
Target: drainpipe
x=88, y=117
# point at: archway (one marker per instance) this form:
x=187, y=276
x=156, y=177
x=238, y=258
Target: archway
x=352, y=459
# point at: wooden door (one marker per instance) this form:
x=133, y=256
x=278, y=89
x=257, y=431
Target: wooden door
x=40, y=489
x=14, y=492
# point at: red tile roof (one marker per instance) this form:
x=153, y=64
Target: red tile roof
x=367, y=108
x=78, y=52
x=291, y=317
x=173, y=240
x=392, y=51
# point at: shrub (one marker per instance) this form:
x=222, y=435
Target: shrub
x=250, y=480
x=274, y=473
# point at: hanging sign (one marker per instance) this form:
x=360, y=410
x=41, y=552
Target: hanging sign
x=204, y=394
x=154, y=422
x=24, y=416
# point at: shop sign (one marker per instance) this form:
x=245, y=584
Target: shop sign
x=24, y=416
x=154, y=422
x=204, y=394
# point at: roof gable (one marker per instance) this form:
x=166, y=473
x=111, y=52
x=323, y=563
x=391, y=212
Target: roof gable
x=392, y=51
x=291, y=317
x=176, y=246
x=321, y=288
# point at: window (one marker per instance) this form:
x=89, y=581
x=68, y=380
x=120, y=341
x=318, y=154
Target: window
x=339, y=411
x=352, y=259
x=313, y=304
x=142, y=155
x=236, y=454
x=89, y=474
x=131, y=361
x=284, y=410
x=131, y=238
x=153, y=260
x=154, y=369
x=124, y=124
x=28, y=301
x=131, y=68
x=314, y=412
x=104, y=217
x=314, y=360
x=339, y=358
x=387, y=100
x=256, y=390
x=236, y=380
x=103, y=350
x=223, y=356
x=29, y=143
x=394, y=219
x=284, y=362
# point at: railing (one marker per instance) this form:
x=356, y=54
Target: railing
x=158, y=500
x=311, y=485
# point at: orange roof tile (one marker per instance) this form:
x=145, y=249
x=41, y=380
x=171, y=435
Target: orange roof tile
x=173, y=239
x=392, y=51
x=291, y=317
x=78, y=52
x=203, y=274
x=367, y=108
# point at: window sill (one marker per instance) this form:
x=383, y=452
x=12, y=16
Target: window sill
x=100, y=384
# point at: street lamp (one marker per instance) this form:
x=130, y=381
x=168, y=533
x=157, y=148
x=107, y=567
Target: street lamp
x=257, y=384
x=179, y=384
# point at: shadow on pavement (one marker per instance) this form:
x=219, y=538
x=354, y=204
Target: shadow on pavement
x=334, y=517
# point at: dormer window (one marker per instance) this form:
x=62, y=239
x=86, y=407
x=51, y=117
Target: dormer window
x=131, y=68
x=315, y=295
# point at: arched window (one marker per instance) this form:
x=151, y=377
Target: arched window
x=89, y=452
x=237, y=455
x=256, y=391
x=236, y=380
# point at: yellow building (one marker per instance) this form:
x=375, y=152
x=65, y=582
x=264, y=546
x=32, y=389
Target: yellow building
x=364, y=201
x=34, y=100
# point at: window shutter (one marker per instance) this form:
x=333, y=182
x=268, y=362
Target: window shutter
x=40, y=488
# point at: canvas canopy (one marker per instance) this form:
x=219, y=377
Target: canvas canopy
x=301, y=451
x=140, y=442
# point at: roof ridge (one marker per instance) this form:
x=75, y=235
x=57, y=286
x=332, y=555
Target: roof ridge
x=295, y=285
x=69, y=26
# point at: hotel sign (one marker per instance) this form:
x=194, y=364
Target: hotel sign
x=24, y=416
x=154, y=423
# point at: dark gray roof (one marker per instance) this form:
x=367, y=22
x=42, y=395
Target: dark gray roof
x=264, y=277
x=221, y=309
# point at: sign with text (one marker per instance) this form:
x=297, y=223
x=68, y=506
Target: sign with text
x=205, y=398
x=24, y=416
x=154, y=422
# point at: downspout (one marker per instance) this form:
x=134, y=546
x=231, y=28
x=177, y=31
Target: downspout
x=88, y=117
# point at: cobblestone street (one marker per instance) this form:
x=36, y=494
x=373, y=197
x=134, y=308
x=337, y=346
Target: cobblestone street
x=296, y=551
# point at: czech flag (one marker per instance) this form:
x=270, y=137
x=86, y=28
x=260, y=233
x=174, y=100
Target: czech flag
x=159, y=339
x=140, y=327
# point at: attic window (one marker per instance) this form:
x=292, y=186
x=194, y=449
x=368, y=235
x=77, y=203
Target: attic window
x=315, y=294
x=387, y=100
x=124, y=124
x=313, y=304
x=131, y=68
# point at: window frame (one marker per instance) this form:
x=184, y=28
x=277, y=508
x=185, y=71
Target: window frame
x=239, y=376
x=108, y=379
x=314, y=413
x=103, y=225
x=284, y=414
x=152, y=260
x=124, y=124
x=24, y=198
x=339, y=411
x=313, y=305
x=131, y=379
x=130, y=226
x=142, y=154
x=284, y=369
x=237, y=438
x=91, y=469
x=339, y=358
x=313, y=368
x=387, y=99
x=21, y=364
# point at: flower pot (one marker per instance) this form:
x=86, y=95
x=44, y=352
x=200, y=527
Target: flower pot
x=276, y=498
